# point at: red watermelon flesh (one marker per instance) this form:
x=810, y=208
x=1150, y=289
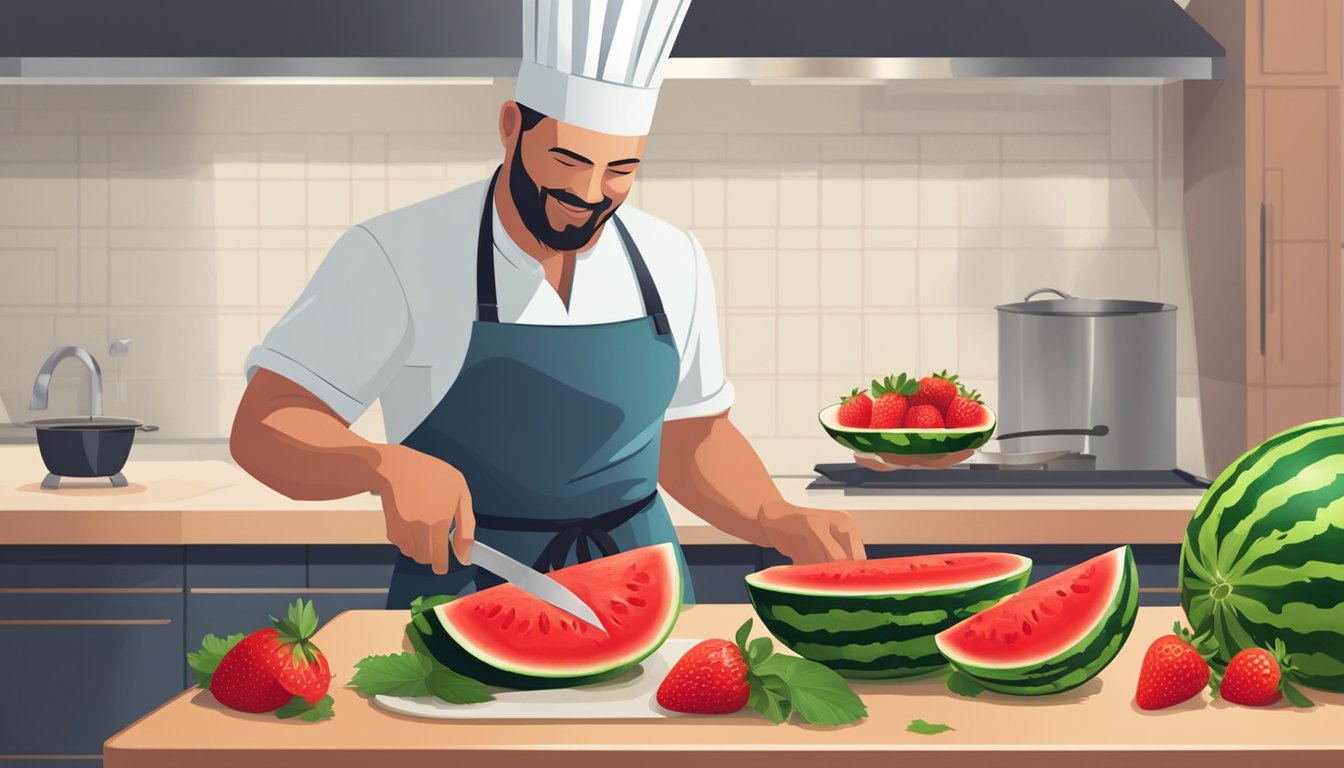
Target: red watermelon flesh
x=923, y=574
x=635, y=594
x=1037, y=622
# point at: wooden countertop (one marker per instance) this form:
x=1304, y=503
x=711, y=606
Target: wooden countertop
x=1097, y=725
x=214, y=502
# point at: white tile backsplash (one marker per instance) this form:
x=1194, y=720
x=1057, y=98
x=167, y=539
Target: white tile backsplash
x=852, y=231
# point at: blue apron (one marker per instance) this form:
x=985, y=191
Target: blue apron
x=556, y=430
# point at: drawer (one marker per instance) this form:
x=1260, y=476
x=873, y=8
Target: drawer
x=90, y=566
x=247, y=566
x=353, y=565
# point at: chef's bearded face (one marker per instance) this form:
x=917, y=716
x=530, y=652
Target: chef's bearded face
x=565, y=181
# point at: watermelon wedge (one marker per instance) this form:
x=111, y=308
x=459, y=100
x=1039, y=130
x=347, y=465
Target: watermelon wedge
x=877, y=618
x=1056, y=634
x=505, y=637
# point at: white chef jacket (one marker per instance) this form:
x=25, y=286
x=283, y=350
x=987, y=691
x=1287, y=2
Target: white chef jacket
x=389, y=312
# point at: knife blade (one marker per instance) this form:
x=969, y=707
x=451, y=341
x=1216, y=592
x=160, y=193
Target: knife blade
x=533, y=582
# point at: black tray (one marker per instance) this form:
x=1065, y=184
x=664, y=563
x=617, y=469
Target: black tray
x=853, y=476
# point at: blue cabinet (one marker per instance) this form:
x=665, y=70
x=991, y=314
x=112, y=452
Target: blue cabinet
x=718, y=571
x=90, y=640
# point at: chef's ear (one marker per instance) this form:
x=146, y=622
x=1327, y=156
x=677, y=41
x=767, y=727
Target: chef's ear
x=510, y=123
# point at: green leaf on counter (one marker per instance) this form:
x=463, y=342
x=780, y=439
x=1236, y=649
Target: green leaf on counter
x=298, y=707
x=1296, y=697
x=205, y=661
x=742, y=633
x=759, y=650
x=817, y=693
x=927, y=729
x=770, y=697
x=962, y=685
x=411, y=674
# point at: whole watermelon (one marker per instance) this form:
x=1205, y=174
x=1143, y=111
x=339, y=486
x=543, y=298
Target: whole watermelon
x=1263, y=557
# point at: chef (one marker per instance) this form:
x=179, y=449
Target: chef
x=544, y=355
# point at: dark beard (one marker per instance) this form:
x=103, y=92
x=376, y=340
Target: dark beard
x=530, y=202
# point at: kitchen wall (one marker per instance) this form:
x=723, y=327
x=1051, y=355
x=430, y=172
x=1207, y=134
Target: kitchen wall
x=854, y=230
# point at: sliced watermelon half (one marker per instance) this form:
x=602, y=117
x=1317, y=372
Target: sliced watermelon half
x=1056, y=634
x=505, y=637
x=877, y=618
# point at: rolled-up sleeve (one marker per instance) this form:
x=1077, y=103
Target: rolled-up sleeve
x=703, y=389
x=349, y=331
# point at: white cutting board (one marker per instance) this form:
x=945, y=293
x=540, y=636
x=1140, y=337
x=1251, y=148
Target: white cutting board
x=630, y=696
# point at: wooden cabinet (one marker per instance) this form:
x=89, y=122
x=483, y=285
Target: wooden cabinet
x=1263, y=163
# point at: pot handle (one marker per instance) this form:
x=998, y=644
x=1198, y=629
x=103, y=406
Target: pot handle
x=1056, y=291
x=147, y=428
x=1100, y=430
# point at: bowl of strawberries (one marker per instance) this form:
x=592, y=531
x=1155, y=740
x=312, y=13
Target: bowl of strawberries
x=902, y=422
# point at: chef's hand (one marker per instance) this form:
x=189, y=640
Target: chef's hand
x=812, y=535
x=424, y=501
x=887, y=462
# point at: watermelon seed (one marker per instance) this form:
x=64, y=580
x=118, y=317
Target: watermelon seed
x=494, y=611
x=508, y=618
x=1080, y=588
x=638, y=602
x=1010, y=638
x=949, y=562
x=642, y=578
x=1034, y=617
x=618, y=607
x=1061, y=593
x=544, y=624
x=1026, y=628
x=633, y=587
x=523, y=625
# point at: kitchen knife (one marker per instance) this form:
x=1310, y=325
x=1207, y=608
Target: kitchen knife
x=537, y=584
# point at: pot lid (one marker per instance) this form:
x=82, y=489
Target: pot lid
x=83, y=421
x=1072, y=306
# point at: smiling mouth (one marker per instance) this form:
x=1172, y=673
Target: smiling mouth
x=574, y=209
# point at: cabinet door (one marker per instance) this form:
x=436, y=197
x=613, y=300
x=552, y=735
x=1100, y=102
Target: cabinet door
x=1293, y=42
x=79, y=668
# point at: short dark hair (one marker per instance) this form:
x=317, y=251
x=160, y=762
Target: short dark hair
x=530, y=117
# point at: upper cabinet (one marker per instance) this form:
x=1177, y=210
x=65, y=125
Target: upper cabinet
x=1292, y=42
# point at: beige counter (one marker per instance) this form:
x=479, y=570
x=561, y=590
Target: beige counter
x=1096, y=725
x=204, y=501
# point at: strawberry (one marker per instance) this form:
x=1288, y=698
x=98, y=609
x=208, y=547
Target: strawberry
x=1174, y=670
x=711, y=679
x=965, y=410
x=1257, y=677
x=855, y=410
x=269, y=670
x=936, y=390
x=923, y=416
x=892, y=401
x=716, y=677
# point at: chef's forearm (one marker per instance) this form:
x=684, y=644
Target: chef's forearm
x=709, y=467
x=300, y=449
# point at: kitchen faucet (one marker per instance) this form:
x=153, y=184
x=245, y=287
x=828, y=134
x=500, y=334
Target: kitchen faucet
x=43, y=382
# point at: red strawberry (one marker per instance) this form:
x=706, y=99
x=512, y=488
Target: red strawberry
x=1257, y=677
x=965, y=411
x=266, y=670
x=711, y=679
x=892, y=401
x=923, y=417
x=936, y=390
x=855, y=410
x=1173, y=671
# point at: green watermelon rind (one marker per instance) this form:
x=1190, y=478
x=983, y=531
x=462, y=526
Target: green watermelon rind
x=1073, y=666
x=1262, y=559
x=908, y=442
x=867, y=635
x=447, y=645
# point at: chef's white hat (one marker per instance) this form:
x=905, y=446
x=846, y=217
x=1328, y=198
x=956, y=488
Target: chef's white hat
x=597, y=64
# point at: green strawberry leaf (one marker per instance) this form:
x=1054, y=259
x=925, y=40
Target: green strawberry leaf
x=454, y=688
x=402, y=674
x=304, y=616
x=770, y=697
x=205, y=661
x=816, y=692
x=927, y=729
x=742, y=633
x=759, y=650
x=1216, y=680
x=298, y=707
x=1294, y=696
x=423, y=604
x=962, y=685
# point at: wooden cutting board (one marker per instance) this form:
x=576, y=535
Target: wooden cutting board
x=630, y=696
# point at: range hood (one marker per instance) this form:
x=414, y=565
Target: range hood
x=109, y=41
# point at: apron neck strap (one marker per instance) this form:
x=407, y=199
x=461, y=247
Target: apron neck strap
x=487, y=304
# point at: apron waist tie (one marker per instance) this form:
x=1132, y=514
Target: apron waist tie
x=570, y=532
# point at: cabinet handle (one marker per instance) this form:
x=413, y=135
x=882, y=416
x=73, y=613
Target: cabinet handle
x=1263, y=216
